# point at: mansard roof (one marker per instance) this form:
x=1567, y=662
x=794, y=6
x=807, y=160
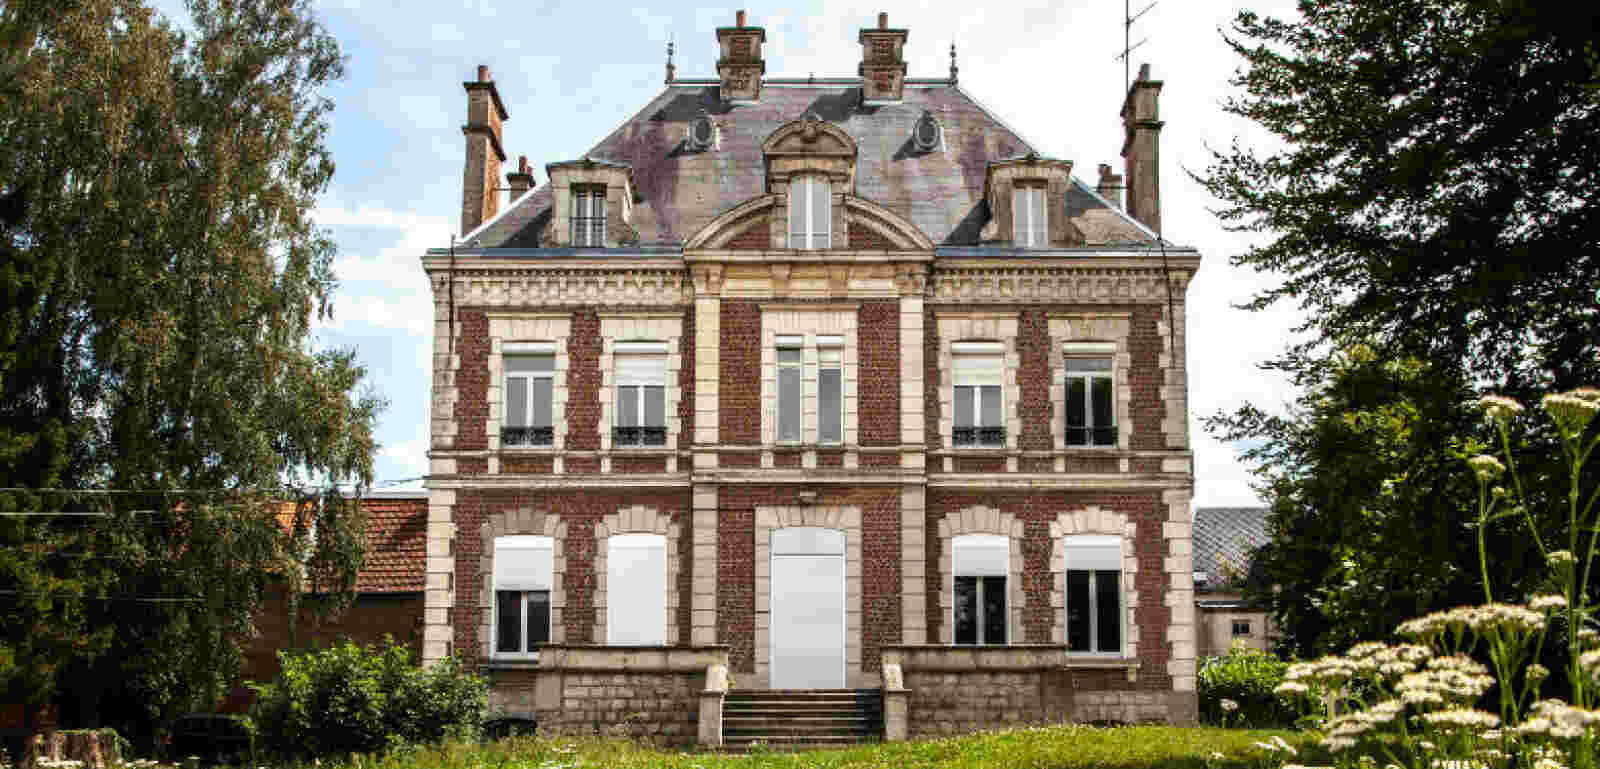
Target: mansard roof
x=940, y=191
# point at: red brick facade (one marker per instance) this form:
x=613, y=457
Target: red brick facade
x=916, y=241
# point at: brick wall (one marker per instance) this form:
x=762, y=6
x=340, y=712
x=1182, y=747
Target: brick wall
x=580, y=508
x=880, y=568
x=472, y=381
x=686, y=381
x=757, y=237
x=1144, y=381
x=1034, y=378
x=878, y=373
x=739, y=382
x=583, y=387
x=1037, y=509
x=367, y=621
x=865, y=239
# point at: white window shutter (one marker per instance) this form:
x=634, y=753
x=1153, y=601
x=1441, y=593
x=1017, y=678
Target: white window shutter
x=980, y=555
x=636, y=590
x=1092, y=551
x=523, y=562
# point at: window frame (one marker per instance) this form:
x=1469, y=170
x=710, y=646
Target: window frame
x=587, y=227
x=982, y=436
x=795, y=343
x=1109, y=376
x=512, y=350
x=803, y=196
x=503, y=546
x=1028, y=200
x=1236, y=623
x=613, y=610
x=1103, y=543
x=961, y=568
x=657, y=353
x=827, y=346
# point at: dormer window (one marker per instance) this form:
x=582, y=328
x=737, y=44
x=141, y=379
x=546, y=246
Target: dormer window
x=1030, y=221
x=589, y=215
x=810, y=212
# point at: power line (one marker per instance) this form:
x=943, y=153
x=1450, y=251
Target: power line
x=124, y=597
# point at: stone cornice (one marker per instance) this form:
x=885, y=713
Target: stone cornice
x=989, y=283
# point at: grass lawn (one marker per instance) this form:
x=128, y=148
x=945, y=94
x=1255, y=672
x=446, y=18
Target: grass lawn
x=1054, y=747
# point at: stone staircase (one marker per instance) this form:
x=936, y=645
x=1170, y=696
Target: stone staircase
x=790, y=719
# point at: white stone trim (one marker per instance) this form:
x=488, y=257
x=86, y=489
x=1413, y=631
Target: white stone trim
x=1174, y=390
x=1052, y=281
x=913, y=564
x=1094, y=520
x=522, y=521
x=963, y=326
x=527, y=327
x=637, y=519
x=1067, y=328
x=626, y=327
x=981, y=520
x=843, y=518
x=703, y=593
x=808, y=323
x=1179, y=598
x=438, y=632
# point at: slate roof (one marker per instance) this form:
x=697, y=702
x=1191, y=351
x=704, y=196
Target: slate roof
x=1228, y=532
x=940, y=191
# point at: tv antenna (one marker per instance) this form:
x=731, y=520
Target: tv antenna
x=1128, y=19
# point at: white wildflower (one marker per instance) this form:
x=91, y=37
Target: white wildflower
x=1216, y=756
x=1336, y=744
x=1486, y=467
x=1499, y=406
x=1462, y=718
x=1228, y=706
x=1284, y=746
x=1561, y=558
x=1291, y=687
x=1572, y=410
x=1547, y=603
x=1537, y=672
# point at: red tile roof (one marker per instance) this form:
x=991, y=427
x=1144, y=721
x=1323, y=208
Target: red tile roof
x=397, y=529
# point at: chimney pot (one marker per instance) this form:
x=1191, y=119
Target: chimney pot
x=522, y=164
x=883, y=20
x=481, y=174
x=883, y=62
x=483, y=73
x=738, y=19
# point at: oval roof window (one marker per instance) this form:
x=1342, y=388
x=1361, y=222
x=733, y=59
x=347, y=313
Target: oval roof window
x=702, y=132
x=926, y=134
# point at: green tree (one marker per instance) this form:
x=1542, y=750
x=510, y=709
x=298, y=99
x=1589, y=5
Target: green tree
x=1432, y=202
x=160, y=274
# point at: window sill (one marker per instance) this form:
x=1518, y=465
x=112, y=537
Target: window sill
x=530, y=450
x=512, y=662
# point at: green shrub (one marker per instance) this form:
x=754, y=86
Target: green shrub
x=347, y=699
x=1247, y=677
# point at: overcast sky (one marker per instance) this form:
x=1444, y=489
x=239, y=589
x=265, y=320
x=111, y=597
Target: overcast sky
x=571, y=72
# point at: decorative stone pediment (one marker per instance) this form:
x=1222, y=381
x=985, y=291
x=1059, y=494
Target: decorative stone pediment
x=810, y=145
x=860, y=216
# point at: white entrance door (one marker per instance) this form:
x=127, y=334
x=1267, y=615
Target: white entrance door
x=807, y=608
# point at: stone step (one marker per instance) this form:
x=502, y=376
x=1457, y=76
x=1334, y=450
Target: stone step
x=801, y=718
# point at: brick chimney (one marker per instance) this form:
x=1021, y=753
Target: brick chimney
x=740, y=66
x=521, y=179
x=1110, y=186
x=1141, y=149
x=883, y=63
x=485, y=114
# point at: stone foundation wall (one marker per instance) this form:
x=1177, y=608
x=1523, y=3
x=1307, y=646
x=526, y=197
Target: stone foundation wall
x=941, y=690
x=584, y=690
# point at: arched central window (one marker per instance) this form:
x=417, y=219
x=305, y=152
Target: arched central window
x=810, y=212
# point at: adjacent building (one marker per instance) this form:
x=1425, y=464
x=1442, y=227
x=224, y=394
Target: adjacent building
x=813, y=384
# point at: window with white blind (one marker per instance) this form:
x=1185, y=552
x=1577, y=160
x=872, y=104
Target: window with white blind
x=980, y=563
x=641, y=394
x=588, y=215
x=810, y=212
x=830, y=389
x=529, y=394
x=636, y=590
x=789, y=396
x=1029, y=219
x=522, y=584
x=978, y=375
x=1093, y=592
x=1091, y=409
